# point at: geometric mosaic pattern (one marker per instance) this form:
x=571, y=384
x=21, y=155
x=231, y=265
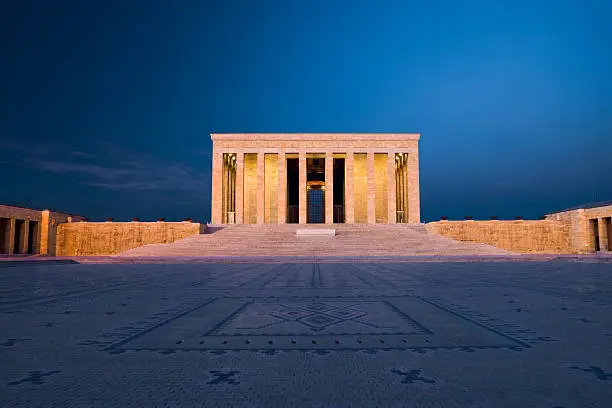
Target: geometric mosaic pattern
x=463, y=334
x=346, y=323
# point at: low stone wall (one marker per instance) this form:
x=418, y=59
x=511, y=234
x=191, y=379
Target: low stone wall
x=522, y=236
x=111, y=238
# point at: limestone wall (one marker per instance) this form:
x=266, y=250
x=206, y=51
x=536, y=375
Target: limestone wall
x=110, y=238
x=582, y=233
x=522, y=236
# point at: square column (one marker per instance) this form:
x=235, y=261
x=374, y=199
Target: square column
x=302, y=171
x=11, y=240
x=261, y=179
x=239, y=188
x=329, y=188
x=391, y=192
x=282, y=188
x=25, y=230
x=414, y=195
x=371, y=189
x=602, y=225
x=216, y=216
x=349, y=188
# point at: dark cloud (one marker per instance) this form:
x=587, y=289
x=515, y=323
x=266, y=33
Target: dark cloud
x=113, y=168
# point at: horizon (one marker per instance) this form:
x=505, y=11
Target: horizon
x=108, y=110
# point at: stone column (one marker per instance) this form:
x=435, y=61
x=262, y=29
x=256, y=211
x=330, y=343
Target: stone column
x=391, y=176
x=224, y=191
x=349, y=188
x=11, y=240
x=217, y=188
x=239, y=188
x=261, y=179
x=329, y=188
x=371, y=189
x=228, y=184
x=404, y=176
x=282, y=188
x=44, y=232
x=25, y=230
x=603, y=234
x=233, y=189
x=302, y=163
x=414, y=195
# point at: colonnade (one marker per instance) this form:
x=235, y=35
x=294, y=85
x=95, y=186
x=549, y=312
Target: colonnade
x=386, y=189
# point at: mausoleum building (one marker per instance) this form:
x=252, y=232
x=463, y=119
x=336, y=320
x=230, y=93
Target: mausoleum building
x=311, y=178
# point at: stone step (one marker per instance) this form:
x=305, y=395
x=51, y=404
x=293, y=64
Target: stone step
x=353, y=240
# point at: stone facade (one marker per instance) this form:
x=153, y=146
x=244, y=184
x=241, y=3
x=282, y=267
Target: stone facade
x=332, y=178
x=28, y=231
x=590, y=226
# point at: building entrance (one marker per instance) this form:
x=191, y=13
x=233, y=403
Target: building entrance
x=316, y=202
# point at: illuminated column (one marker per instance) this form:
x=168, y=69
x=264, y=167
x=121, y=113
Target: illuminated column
x=282, y=188
x=329, y=188
x=217, y=188
x=233, y=187
x=391, y=176
x=261, y=178
x=404, y=180
x=349, y=186
x=11, y=236
x=225, y=202
x=25, y=230
x=239, y=188
x=603, y=234
x=302, y=163
x=414, y=199
x=371, y=189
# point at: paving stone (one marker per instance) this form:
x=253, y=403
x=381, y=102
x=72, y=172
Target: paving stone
x=319, y=334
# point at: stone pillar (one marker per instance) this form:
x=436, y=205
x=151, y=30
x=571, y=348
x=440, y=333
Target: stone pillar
x=261, y=179
x=239, y=188
x=228, y=186
x=11, y=241
x=349, y=188
x=414, y=195
x=47, y=234
x=282, y=188
x=217, y=188
x=25, y=231
x=329, y=188
x=232, y=204
x=590, y=238
x=391, y=176
x=371, y=189
x=603, y=234
x=303, y=174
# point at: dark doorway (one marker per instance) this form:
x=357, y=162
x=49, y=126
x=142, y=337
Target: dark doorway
x=316, y=204
x=315, y=190
x=595, y=229
x=339, y=191
x=5, y=235
x=32, y=238
x=19, y=231
x=293, y=191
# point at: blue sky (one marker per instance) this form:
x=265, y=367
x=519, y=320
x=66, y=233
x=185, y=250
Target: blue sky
x=107, y=107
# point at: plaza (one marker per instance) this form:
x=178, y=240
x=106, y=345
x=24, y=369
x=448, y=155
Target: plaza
x=438, y=332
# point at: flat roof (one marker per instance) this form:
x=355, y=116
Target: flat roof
x=315, y=136
x=594, y=204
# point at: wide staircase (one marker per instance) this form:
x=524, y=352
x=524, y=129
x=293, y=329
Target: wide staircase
x=350, y=240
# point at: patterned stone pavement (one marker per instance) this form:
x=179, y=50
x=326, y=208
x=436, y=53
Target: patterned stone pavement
x=410, y=334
